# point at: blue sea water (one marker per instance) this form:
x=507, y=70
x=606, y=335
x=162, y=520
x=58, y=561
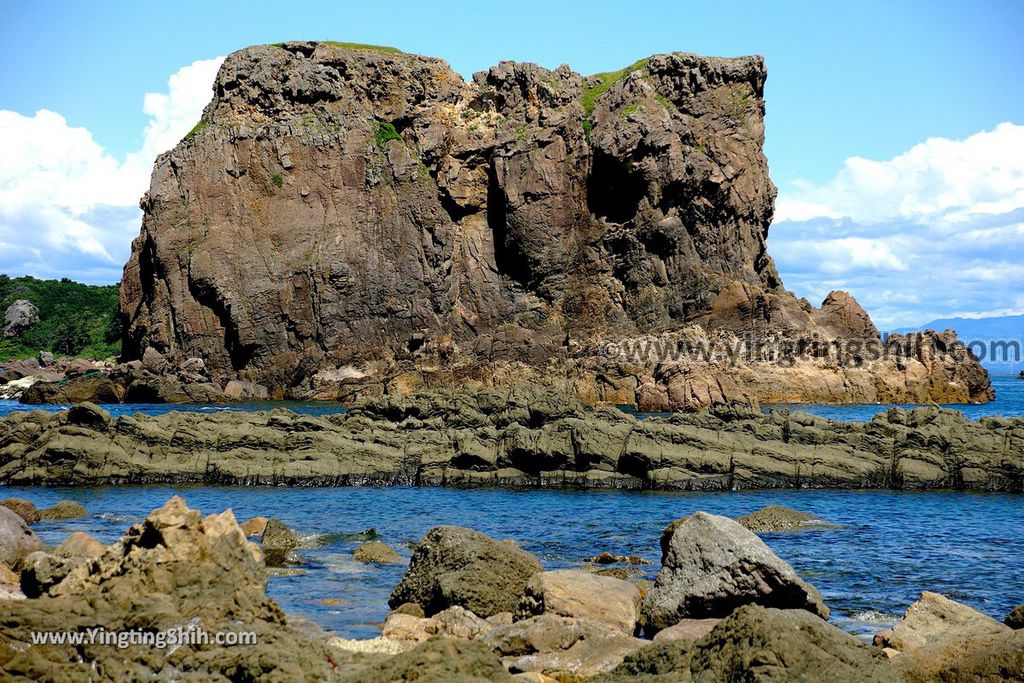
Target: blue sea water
x=890, y=545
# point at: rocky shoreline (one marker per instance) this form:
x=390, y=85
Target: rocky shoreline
x=525, y=436
x=469, y=608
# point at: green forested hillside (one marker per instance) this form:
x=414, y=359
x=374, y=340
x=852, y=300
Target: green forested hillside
x=74, y=319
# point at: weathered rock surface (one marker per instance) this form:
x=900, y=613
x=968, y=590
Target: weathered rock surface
x=453, y=566
x=16, y=539
x=775, y=518
x=759, y=644
x=519, y=437
x=565, y=648
x=574, y=593
x=175, y=569
x=940, y=639
x=686, y=629
x=711, y=565
x=345, y=221
x=438, y=660
x=21, y=315
x=1015, y=619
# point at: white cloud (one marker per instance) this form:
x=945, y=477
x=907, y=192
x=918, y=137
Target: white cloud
x=69, y=208
x=939, y=178
x=934, y=232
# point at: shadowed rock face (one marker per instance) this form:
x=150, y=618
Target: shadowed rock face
x=340, y=206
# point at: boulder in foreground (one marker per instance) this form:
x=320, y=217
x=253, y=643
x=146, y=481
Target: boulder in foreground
x=766, y=645
x=455, y=566
x=574, y=593
x=16, y=539
x=175, y=569
x=940, y=639
x=711, y=565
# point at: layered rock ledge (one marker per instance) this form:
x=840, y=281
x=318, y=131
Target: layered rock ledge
x=521, y=437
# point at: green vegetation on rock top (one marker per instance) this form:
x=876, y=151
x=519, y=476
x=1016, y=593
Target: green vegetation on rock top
x=608, y=79
x=74, y=319
x=360, y=46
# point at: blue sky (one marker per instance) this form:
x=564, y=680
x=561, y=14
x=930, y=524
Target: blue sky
x=869, y=80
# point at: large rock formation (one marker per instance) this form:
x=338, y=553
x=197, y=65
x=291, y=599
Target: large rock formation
x=518, y=437
x=345, y=212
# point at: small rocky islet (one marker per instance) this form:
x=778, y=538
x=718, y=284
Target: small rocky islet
x=469, y=608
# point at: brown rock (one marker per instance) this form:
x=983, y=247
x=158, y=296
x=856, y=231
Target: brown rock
x=80, y=544
x=686, y=629
x=572, y=593
x=255, y=526
x=540, y=211
x=23, y=508
x=1015, y=619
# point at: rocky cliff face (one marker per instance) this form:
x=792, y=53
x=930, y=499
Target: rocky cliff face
x=347, y=206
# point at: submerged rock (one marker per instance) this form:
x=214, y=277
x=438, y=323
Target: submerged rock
x=774, y=518
x=454, y=566
x=65, y=509
x=611, y=558
x=377, y=552
x=711, y=565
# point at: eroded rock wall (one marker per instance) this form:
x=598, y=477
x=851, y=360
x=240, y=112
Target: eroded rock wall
x=341, y=206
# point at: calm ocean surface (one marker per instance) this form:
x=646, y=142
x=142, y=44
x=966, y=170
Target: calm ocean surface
x=890, y=547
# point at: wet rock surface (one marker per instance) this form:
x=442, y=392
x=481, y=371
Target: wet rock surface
x=777, y=518
x=523, y=436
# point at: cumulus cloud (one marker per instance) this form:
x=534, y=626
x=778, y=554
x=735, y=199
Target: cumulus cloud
x=67, y=207
x=934, y=232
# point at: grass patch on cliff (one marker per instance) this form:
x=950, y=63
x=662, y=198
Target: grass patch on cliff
x=608, y=79
x=278, y=180
x=385, y=133
x=361, y=46
x=74, y=319
x=195, y=130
